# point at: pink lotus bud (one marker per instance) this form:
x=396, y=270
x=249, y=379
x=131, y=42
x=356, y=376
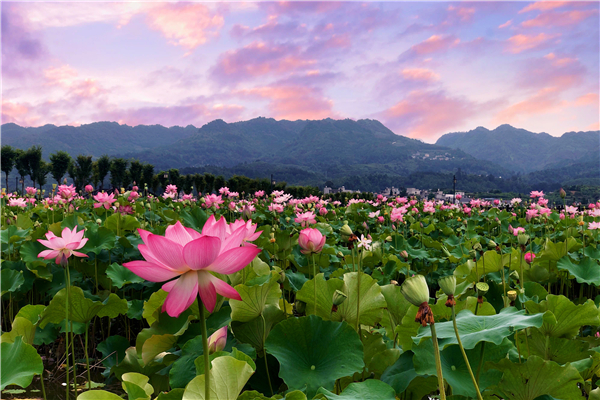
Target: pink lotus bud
x=381, y=220
x=218, y=340
x=597, y=334
x=458, y=196
x=89, y=188
x=404, y=254
x=311, y=241
x=496, y=202
x=322, y=211
x=562, y=216
x=529, y=256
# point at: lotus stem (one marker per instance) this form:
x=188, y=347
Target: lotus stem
x=205, y=350
x=67, y=284
x=42, y=383
x=315, y=278
x=438, y=362
x=74, y=360
x=480, y=361
x=265, y=352
x=462, y=350
x=87, y=359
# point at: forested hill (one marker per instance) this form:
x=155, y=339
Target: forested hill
x=522, y=151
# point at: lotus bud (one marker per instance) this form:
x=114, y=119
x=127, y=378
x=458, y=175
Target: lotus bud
x=388, y=239
x=300, y=306
x=482, y=288
x=281, y=279
x=339, y=297
x=117, y=204
x=446, y=252
x=404, y=254
x=217, y=341
x=514, y=275
x=523, y=239
x=477, y=246
x=415, y=290
x=287, y=219
x=492, y=245
x=54, y=186
x=340, y=254
x=393, y=282
x=448, y=285
x=98, y=221
x=562, y=193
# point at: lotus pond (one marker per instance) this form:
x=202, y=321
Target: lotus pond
x=232, y=296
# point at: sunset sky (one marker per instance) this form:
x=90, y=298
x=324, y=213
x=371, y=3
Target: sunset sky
x=423, y=69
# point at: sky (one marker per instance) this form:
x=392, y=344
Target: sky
x=421, y=68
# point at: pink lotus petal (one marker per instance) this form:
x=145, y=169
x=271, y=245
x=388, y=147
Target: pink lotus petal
x=225, y=289
x=217, y=229
x=78, y=254
x=182, y=294
x=150, y=272
x=73, y=245
x=178, y=234
x=233, y=260
x=57, y=243
x=167, y=252
x=50, y=235
x=193, y=233
x=48, y=254
x=234, y=240
x=207, y=291
x=167, y=287
x=200, y=253
x=46, y=243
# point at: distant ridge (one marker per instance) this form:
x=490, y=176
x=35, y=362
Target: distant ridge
x=523, y=151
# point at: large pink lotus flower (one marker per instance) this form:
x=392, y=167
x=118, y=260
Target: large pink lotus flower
x=64, y=246
x=17, y=202
x=104, y=200
x=192, y=258
x=311, y=241
x=67, y=192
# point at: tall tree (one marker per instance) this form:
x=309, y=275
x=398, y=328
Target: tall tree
x=219, y=182
x=22, y=165
x=174, y=177
x=34, y=160
x=210, y=182
x=60, y=164
x=187, y=181
x=200, y=183
x=42, y=174
x=136, y=169
x=103, y=169
x=83, y=171
x=7, y=159
x=118, y=168
x=147, y=175
x=95, y=174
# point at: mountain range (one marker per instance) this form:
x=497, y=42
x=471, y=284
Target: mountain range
x=359, y=152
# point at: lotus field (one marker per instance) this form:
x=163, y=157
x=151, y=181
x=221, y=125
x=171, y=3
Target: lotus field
x=233, y=296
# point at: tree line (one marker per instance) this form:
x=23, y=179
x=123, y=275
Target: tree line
x=122, y=173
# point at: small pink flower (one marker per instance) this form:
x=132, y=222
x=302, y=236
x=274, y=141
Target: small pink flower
x=323, y=211
x=496, y=202
x=305, y=218
x=259, y=193
x=62, y=247
x=89, y=188
x=67, y=192
x=218, y=340
x=593, y=226
x=311, y=241
x=171, y=189
x=104, y=200
x=597, y=334
x=31, y=190
x=381, y=220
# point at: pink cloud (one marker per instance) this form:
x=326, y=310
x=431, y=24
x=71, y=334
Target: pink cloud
x=589, y=99
x=544, y=101
x=428, y=114
x=434, y=44
x=506, y=24
x=593, y=127
x=258, y=59
x=552, y=70
x=185, y=24
x=563, y=18
x=519, y=43
x=17, y=113
x=293, y=102
x=544, y=6
x=419, y=74
x=272, y=30
x=461, y=13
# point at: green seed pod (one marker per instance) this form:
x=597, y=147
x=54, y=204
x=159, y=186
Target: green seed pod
x=512, y=295
x=339, y=297
x=491, y=244
x=300, y=306
x=477, y=247
x=415, y=290
x=345, y=232
x=523, y=239
x=482, y=288
x=448, y=284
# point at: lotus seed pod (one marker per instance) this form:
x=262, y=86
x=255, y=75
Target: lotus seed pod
x=523, y=239
x=491, y=244
x=473, y=253
x=512, y=295
x=415, y=290
x=345, y=232
x=287, y=219
x=98, y=221
x=448, y=285
x=477, y=246
x=339, y=297
x=482, y=288
x=393, y=282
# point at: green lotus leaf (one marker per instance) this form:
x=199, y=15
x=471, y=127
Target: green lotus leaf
x=555, y=251
x=254, y=299
x=113, y=350
x=29, y=252
x=397, y=307
x=325, y=291
x=368, y=390
x=228, y=377
x=99, y=238
x=559, y=350
x=19, y=363
x=98, y=395
x=155, y=345
x=372, y=302
x=21, y=327
x=455, y=369
x=537, y=377
x=253, y=331
x=136, y=385
x=10, y=280
x=173, y=394
x=81, y=309
x=120, y=276
x=314, y=353
x=475, y=328
x=587, y=271
x=562, y=318
x=152, y=307
x=401, y=373
x=195, y=218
